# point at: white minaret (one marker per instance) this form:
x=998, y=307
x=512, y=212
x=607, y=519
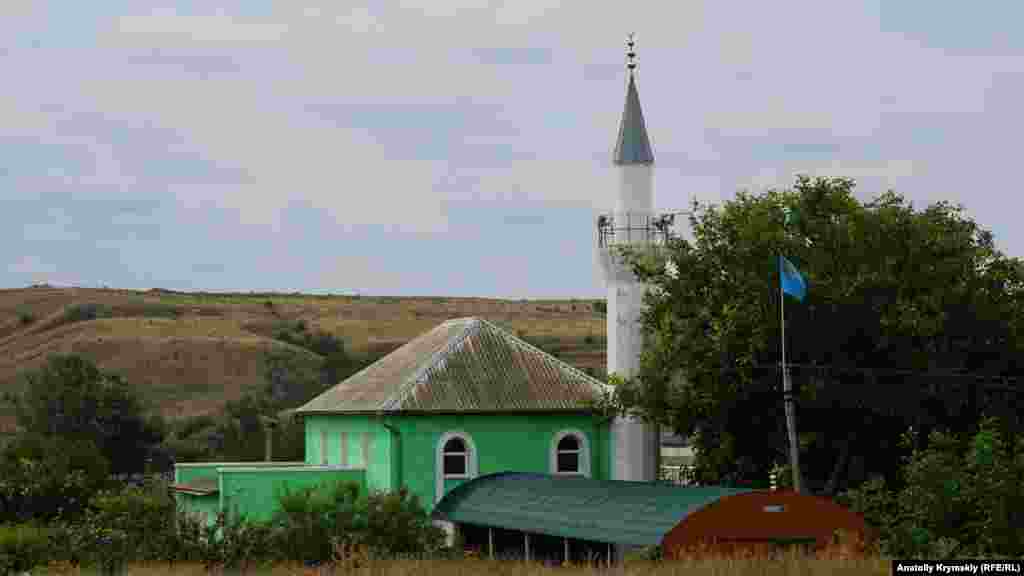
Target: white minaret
x=635, y=444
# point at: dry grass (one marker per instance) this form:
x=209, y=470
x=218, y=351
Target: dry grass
x=212, y=352
x=844, y=556
x=723, y=567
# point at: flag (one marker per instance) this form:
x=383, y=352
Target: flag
x=792, y=282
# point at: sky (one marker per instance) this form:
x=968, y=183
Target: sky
x=463, y=148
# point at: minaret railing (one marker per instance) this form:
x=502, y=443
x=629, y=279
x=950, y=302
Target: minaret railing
x=634, y=229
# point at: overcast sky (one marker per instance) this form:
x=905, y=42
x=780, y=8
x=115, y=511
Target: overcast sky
x=463, y=148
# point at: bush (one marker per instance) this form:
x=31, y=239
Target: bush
x=46, y=478
x=316, y=522
x=86, y=311
x=961, y=499
x=143, y=514
x=158, y=310
x=398, y=525
x=26, y=317
x=23, y=547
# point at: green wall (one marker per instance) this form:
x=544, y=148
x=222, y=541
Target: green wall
x=504, y=443
x=185, y=472
x=379, y=469
x=253, y=491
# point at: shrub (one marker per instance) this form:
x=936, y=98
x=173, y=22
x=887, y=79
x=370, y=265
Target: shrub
x=23, y=547
x=600, y=306
x=143, y=514
x=961, y=499
x=317, y=522
x=26, y=317
x=159, y=310
x=86, y=311
x=46, y=478
x=311, y=518
x=398, y=525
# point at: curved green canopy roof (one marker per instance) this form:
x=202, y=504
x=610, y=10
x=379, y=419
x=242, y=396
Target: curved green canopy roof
x=612, y=511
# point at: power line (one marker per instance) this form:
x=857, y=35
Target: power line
x=985, y=381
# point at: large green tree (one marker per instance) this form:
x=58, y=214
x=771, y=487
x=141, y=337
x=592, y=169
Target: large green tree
x=901, y=305
x=70, y=397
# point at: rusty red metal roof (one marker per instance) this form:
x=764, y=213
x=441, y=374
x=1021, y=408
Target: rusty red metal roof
x=198, y=487
x=462, y=365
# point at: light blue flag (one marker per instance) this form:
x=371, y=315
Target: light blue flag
x=792, y=282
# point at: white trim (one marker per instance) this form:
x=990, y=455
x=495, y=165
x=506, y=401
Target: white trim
x=307, y=468
x=471, y=464
x=584, y=453
x=230, y=464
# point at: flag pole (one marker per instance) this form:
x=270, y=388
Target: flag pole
x=787, y=392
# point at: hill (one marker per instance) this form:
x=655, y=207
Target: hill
x=190, y=352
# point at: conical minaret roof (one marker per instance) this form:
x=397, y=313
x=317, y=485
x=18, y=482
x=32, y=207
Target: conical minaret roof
x=633, y=146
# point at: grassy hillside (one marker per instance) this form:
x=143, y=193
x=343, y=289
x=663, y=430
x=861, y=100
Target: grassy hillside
x=189, y=353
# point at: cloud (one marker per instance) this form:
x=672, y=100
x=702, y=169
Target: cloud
x=410, y=141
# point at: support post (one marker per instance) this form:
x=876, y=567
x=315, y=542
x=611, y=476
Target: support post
x=566, y=540
x=526, y=536
x=787, y=392
x=490, y=541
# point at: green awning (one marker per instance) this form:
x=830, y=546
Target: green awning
x=617, y=512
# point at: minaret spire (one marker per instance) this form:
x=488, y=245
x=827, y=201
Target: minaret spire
x=632, y=146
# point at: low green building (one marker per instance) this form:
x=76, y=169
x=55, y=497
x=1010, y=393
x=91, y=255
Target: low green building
x=463, y=400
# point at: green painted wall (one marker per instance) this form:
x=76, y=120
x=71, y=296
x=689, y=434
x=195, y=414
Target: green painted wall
x=208, y=506
x=253, y=491
x=504, y=443
x=378, y=466
x=185, y=472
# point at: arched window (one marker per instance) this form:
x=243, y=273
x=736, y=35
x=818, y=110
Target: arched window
x=570, y=454
x=456, y=461
x=456, y=456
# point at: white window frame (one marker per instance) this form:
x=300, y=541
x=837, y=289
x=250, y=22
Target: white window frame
x=471, y=461
x=584, y=459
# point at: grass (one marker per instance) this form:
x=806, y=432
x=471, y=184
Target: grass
x=480, y=567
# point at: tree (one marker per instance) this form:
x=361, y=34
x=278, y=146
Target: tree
x=69, y=397
x=43, y=477
x=895, y=296
x=962, y=497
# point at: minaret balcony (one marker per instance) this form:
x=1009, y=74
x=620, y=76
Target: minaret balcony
x=634, y=229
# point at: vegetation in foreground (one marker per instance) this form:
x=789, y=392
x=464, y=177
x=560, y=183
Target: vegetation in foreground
x=481, y=567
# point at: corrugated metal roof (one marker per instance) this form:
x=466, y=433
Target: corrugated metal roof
x=633, y=146
x=613, y=511
x=462, y=365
